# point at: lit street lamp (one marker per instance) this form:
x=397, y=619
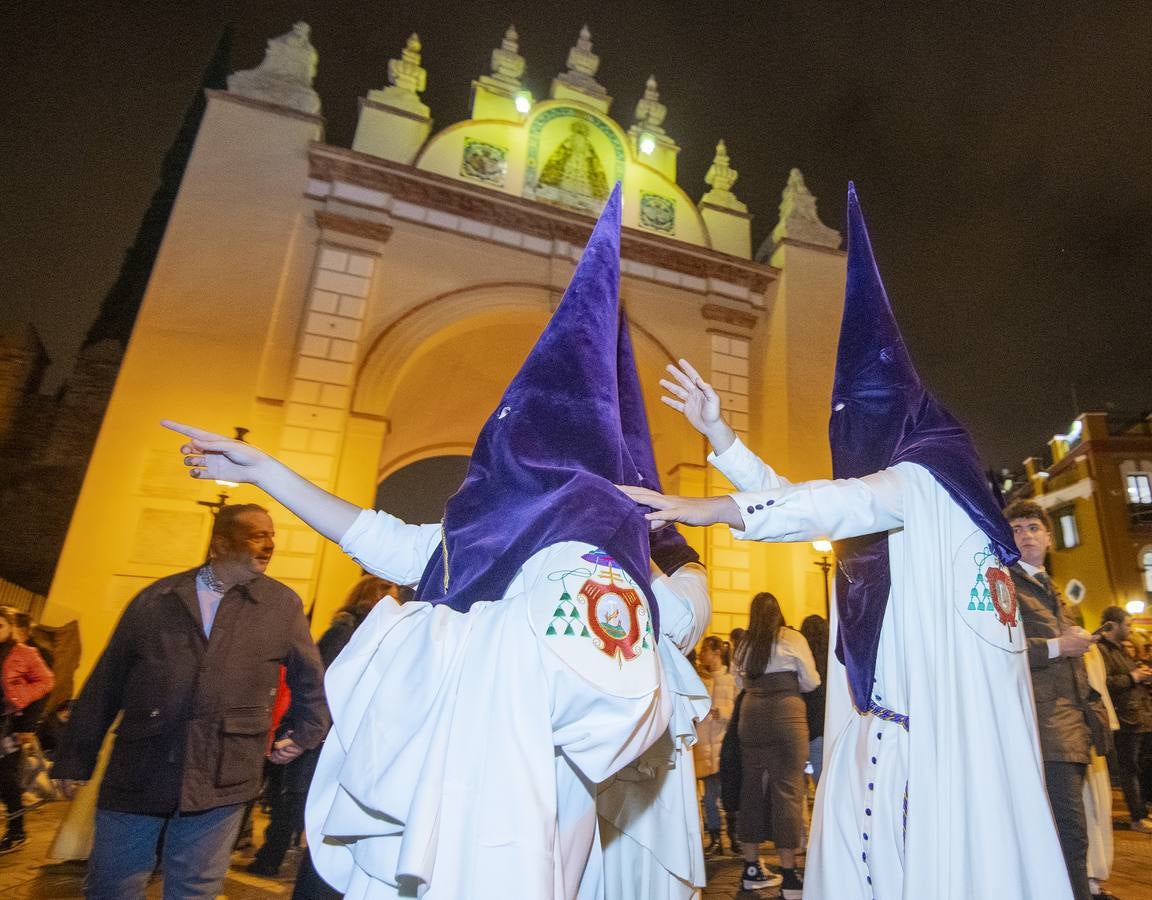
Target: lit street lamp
x=222, y=498
x=824, y=563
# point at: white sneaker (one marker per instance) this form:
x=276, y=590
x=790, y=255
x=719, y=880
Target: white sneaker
x=756, y=879
x=1143, y=826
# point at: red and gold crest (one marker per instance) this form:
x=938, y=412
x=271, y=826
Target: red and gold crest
x=1003, y=593
x=614, y=612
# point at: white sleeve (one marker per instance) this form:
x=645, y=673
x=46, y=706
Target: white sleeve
x=389, y=548
x=844, y=508
x=746, y=470
x=685, y=607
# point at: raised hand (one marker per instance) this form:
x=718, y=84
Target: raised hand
x=667, y=509
x=695, y=398
x=213, y=456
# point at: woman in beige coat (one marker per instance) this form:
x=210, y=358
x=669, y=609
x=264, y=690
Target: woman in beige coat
x=710, y=734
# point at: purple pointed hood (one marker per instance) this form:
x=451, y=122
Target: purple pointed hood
x=882, y=415
x=669, y=550
x=546, y=460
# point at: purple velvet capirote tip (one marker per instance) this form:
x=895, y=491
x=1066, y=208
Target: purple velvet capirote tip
x=546, y=460
x=882, y=415
x=669, y=550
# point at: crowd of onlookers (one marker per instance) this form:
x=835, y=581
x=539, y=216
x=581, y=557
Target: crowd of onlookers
x=26, y=672
x=30, y=734
x=765, y=732
x=755, y=749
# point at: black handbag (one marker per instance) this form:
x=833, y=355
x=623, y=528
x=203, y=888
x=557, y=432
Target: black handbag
x=731, y=773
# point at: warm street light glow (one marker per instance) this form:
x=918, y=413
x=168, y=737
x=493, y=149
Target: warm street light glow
x=1135, y=607
x=824, y=564
x=647, y=144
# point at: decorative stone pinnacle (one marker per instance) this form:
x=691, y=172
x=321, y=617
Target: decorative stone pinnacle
x=582, y=65
x=799, y=220
x=285, y=75
x=406, y=72
x=507, y=63
x=581, y=59
x=720, y=175
x=650, y=112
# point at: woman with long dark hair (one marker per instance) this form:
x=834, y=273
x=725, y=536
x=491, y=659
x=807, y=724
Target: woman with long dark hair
x=815, y=631
x=777, y=667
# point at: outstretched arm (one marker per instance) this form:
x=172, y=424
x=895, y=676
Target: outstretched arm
x=667, y=508
x=211, y=455
x=799, y=512
x=695, y=398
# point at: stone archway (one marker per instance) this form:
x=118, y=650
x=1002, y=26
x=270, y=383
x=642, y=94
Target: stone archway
x=437, y=372
x=431, y=378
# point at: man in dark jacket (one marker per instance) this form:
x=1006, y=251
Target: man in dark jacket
x=193, y=667
x=1128, y=686
x=1069, y=713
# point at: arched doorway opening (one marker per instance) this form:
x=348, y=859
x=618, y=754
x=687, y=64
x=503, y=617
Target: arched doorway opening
x=418, y=491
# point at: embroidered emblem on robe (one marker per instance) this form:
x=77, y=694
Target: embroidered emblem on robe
x=1003, y=595
x=614, y=612
x=591, y=614
x=984, y=594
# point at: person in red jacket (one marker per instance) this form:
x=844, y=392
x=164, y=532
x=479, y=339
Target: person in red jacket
x=25, y=680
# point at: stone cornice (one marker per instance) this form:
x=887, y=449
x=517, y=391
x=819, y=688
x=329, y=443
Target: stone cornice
x=714, y=312
x=728, y=211
x=368, y=103
x=438, y=192
x=264, y=106
x=375, y=231
x=808, y=245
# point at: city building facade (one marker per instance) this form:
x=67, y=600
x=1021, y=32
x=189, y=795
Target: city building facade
x=1097, y=489
x=357, y=312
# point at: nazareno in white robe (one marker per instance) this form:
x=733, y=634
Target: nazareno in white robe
x=952, y=807
x=466, y=748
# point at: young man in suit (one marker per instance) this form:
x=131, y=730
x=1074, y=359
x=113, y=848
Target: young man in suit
x=1069, y=713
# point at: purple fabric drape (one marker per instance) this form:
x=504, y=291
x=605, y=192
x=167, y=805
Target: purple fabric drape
x=547, y=458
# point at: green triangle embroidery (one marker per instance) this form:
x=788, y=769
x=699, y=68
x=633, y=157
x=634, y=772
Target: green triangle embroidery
x=558, y=611
x=568, y=629
x=550, y=630
x=584, y=633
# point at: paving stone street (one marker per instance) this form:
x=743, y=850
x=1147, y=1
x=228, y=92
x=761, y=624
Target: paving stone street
x=27, y=873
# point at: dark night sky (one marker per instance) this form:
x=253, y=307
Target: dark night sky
x=1003, y=153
